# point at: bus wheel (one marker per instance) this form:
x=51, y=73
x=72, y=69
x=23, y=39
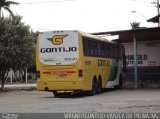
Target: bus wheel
x=99, y=86
x=56, y=94
x=94, y=88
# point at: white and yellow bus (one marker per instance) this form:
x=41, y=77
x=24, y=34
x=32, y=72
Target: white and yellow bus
x=70, y=61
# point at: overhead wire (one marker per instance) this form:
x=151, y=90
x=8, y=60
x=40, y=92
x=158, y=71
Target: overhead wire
x=46, y=2
x=72, y=0
x=142, y=1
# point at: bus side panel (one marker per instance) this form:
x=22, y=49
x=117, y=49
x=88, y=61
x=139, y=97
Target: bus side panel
x=107, y=73
x=116, y=71
x=90, y=70
x=97, y=68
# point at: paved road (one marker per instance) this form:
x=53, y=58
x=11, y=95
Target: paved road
x=125, y=100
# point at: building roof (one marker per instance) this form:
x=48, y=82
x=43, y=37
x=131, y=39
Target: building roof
x=144, y=34
x=154, y=19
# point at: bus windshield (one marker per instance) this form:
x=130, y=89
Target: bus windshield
x=58, y=48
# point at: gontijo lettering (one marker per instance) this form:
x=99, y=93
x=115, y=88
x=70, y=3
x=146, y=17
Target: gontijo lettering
x=59, y=49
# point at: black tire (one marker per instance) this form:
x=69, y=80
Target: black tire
x=99, y=86
x=94, y=88
x=56, y=94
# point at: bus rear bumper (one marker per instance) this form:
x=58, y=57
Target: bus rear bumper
x=61, y=86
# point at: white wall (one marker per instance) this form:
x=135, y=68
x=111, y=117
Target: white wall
x=148, y=53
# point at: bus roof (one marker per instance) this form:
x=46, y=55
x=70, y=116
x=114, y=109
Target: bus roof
x=83, y=34
x=95, y=37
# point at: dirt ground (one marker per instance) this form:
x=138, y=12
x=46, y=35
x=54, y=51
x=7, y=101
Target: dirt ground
x=124, y=100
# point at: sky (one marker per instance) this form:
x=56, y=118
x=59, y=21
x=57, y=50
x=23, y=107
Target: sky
x=84, y=15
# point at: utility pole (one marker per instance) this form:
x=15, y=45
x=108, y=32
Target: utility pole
x=158, y=6
x=135, y=61
x=158, y=13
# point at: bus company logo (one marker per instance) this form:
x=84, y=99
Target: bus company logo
x=57, y=39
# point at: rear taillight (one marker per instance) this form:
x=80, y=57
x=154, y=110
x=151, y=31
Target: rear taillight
x=38, y=75
x=80, y=73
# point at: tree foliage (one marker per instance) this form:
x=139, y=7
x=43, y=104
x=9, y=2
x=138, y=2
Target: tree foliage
x=6, y=5
x=135, y=25
x=17, y=46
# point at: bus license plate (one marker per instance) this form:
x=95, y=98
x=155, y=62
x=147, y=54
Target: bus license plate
x=62, y=75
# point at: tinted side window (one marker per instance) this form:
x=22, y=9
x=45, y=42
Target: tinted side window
x=97, y=48
x=86, y=47
x=94, y=48
x=107, y=50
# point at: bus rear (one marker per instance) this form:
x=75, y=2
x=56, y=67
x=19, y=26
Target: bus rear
x=57, y=61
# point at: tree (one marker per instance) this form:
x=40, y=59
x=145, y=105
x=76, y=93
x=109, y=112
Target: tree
x=17, y=46
x=6, y=5
x=135, y=25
